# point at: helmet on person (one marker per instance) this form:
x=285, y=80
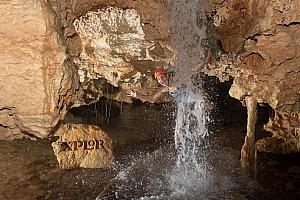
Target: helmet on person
x=159, y=72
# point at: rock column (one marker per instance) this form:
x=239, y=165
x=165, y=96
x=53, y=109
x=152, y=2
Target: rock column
x=248, y=149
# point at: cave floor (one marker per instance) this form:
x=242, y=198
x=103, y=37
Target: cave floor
x=29, y=170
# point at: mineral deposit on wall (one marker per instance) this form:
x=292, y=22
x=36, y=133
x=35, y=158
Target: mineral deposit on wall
x=110, y=38
x=49, y=64
x=114, y=48
x=266, y=35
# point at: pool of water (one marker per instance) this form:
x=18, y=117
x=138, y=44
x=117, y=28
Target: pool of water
x=145, y=165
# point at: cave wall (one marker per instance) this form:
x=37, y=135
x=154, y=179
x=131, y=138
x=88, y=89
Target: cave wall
x=264, y=37
x=59, y=54
x=115, y=45
x=49, y=65
x=35, y=84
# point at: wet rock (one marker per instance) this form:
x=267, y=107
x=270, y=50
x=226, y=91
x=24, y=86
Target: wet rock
x=115, y=49
x=225, y=67
x=286, y=127
x=83, y=146
x=286, y=134
x=248, y=149
x=264, y=35
x=273, y=163
x=269, y=145
x=280, y=175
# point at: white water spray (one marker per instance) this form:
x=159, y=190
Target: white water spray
x=188, y=32
x=153, y=176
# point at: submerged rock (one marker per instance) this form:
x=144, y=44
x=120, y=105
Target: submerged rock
x=85, y=146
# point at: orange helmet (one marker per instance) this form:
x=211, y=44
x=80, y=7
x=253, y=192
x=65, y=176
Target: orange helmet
x=159, y=72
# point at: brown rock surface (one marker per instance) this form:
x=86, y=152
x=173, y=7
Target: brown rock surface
x=35, y=86
x=39, y=78
x=83, y=146
x=285, y=129
x=248, y=148
x=39, y=83
x=266, y=35
x=115, y=44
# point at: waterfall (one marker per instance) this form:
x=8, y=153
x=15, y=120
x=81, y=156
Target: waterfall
x=188, y=36
x=197, y=170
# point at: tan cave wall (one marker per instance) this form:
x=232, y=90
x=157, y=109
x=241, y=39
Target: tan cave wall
x=49, y=65
x=115, y=44
x=264, y=37
x=59, y=54
x=35, y=86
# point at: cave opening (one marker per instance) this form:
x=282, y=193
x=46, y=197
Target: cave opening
x=131, y=126
x=145, y=130
x=229, y=115
x=140, y=127
x=156, y=122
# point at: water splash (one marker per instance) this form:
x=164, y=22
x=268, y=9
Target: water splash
x=188, y=34
x=191, y=175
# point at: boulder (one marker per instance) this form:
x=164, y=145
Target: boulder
x=35, y=83
x=81, y=145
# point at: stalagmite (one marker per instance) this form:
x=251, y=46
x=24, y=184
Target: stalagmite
x=248, y=149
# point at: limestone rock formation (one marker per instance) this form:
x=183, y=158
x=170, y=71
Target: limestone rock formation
x=110, y=37
x=114, y=48
x=35, y=82
x=286, y=131
x=59, y=54
x=83, y=146
x=149, y=17
x=265, y=35
x=42, y=50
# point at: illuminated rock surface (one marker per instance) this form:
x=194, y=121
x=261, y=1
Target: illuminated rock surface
x=62, y=54
x=36, y=86
x=265, y=35
x=83, y=146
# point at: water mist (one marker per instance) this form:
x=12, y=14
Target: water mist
x=188, y=34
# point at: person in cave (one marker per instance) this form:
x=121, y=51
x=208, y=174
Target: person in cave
x=163, y=79
x=191, y=112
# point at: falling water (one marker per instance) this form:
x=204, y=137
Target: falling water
x=189, y=174
x=188, y=33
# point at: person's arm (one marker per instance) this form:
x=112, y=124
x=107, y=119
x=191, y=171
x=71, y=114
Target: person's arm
x=150, y=98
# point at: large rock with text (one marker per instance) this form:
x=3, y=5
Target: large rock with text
x=83, y=146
